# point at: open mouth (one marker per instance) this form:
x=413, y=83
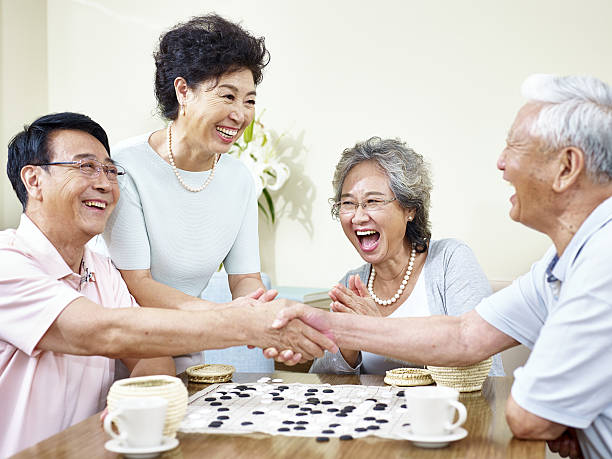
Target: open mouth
x=368, y=239
x=227, y=134
x=95, y=204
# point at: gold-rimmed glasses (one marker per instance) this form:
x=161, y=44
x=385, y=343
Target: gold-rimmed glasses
x=92, y=168
x=349, y=207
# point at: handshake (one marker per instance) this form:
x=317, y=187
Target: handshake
x=287, y=331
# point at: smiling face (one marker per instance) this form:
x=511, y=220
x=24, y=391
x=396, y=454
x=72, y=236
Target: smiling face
x=215, y=117
x=529, y=170
x=70, y=199
x=377, y=235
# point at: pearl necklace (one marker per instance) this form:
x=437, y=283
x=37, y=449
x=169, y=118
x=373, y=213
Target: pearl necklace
x=401, y=288
x=176, y=172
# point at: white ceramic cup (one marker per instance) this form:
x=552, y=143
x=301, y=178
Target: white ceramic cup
x=431, y=410
x=139, y=420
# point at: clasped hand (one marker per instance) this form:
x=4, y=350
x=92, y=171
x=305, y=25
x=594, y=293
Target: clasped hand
x=355, y=299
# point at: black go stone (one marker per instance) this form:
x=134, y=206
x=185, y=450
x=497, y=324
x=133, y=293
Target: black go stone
x=381, y=421
x=316, y=412
x=401, y=393
x=369, y=418
x=210, y=399
x=312, y=399
x=302, y=422
x=277, y=399
x=284, y=429
x=283, y=387
x=292, y=406
x=216, y=403
x=258, y=412
x=301, y=413
x=406, y=425
x=246, y=423
x=360, y=429
x=341, y=415
x=346, y=437
x=225, y=397
x=299, y=428
x=373, y=427
x=371, y=400
x=222, y=418
x=274, y=393
x=379, y=408
x=335, y=424
x=223, y=409
x=305, y=408
x=250, y=388
x=322, y=439
x=241, y=387
x=327, y=402
x=328, y=391
x=403, y=406
x=327, y=431
x=244, y=394
x=288, y=422
x=215, y=424
x=332, y=410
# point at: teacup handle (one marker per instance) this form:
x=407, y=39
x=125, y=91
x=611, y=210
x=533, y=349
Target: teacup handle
x=108, y=420
x=462, y=415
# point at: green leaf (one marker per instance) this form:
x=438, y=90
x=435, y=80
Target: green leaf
x=270, y=203
x=263, y=209
x=248, y=132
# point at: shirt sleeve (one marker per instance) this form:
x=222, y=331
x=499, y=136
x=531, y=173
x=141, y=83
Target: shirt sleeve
x=126, y=233
x=567, y=378
x=243, y=257
x=31, y=300
x=519, y=310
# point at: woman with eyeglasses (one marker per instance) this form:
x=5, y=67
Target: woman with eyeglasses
x=382, y=191
x=186, y=206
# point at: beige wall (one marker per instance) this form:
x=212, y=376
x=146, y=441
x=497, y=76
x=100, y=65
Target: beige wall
x=444, y=76
x=23, y=82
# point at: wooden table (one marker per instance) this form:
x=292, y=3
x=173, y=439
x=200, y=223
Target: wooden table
x=489, y=435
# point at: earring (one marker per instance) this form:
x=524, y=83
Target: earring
x=182, y=110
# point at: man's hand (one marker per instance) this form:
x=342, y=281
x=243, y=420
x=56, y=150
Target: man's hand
x=294, y=336
x=566, y=445
x=354, y=299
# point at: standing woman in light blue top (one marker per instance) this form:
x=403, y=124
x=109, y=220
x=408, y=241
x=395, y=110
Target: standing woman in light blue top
x=382, y=191
x=185, y=206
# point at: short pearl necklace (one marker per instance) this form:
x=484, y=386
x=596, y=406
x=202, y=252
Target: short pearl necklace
x=176, y=172
x=401, y=288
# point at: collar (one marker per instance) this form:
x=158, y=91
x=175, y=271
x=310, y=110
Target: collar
x=593, y=223
x=41, y=248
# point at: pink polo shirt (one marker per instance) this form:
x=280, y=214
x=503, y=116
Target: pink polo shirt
x=42, y=392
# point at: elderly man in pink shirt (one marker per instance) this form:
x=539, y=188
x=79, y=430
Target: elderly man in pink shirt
x=65, y=312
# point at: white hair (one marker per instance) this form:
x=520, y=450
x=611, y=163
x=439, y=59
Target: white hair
x=577, y=112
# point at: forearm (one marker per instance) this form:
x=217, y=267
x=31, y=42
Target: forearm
x=244, y=284
x=150, y=293
x=154, y=366
x=528, y=426
x=85, y=328
x=435, y=340
x=350, y=356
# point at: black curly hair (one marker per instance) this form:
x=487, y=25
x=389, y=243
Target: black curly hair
x=204, y=48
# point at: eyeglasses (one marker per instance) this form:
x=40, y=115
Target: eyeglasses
x=348, y=207
x=92, y=168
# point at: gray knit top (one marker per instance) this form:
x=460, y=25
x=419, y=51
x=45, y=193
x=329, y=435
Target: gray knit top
x=455, y=284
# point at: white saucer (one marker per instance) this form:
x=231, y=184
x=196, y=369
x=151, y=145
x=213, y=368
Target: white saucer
x=115, y=446
x=436, y=441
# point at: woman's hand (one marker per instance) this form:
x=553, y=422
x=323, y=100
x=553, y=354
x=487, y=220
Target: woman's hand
x=354, y=299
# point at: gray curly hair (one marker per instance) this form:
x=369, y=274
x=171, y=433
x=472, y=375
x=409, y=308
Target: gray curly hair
x=409, y=180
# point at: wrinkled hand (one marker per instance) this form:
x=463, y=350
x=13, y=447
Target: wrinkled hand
x=566, y=445
x=299, y=341
x=354, y=299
